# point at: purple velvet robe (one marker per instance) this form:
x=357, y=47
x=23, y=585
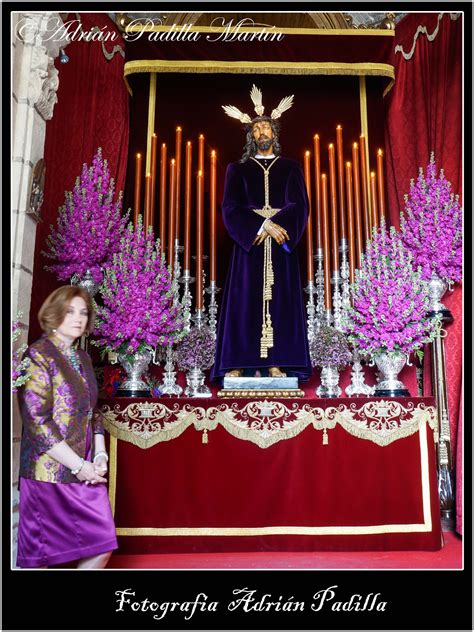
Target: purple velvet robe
x=240, y=319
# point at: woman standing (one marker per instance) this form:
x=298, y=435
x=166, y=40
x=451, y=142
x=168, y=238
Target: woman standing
x=65, y=512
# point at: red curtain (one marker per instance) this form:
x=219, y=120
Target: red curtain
x=424, y=114
x=91, y=112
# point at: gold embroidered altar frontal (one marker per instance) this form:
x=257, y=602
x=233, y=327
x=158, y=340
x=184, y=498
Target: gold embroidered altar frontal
x=264, y=423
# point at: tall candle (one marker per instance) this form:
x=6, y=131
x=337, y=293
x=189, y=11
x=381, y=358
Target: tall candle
x=201, y=153
x=163, y=166
x=172, y=210
x=373, y=195
x=178, y=180
x=326, y=242
x=357, y=207
x=147, y=218
x=380, y=185
x=365, y=192
x=199, y=237
x=138, y=187
x=187, y=206
x=309, y=225
x=317, y=192
x=212, y=223
x=332, y=187
x=340, y=182
x=350, y=223
x=154, y=144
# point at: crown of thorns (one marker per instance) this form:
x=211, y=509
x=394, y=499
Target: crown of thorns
x=256, y=96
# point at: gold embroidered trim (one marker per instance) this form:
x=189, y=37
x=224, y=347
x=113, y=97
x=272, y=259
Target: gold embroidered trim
x=266, y=422
x=257, y=67
x=423, y=527
x=429, y=36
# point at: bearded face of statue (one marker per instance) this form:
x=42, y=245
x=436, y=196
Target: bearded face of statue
x=262, y=133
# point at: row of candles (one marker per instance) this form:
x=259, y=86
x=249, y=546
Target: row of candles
x=334, y=225
x=170, y=214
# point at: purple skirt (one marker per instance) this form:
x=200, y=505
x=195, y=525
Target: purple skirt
x=61, y=522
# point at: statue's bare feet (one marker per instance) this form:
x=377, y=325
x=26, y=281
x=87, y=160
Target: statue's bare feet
x=274, y=371
x=234, y=373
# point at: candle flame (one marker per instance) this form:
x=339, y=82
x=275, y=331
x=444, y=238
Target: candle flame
x=213, y=153
x=323, y=175
x=154, y=134
x=362, y=136
x=139, y=155
x=188, y=143
x=148, y=175
x=201, y=135
x=380, y=152
x=178, y=129
x=199, y=173
x=372, y=174
x=331, y=145
x=172, y=161
x=316, y=136
x=355, y=145
x=348, y=164
x=163, y=145
x=338, y=127
x=307, y=153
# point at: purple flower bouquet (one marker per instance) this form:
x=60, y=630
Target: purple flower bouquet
x=197, y=349
x=330, y=348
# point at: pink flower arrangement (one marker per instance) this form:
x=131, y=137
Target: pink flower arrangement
x=389, y=299
x=89, y=225
x=139, y=308
x=329, y=348
x=197, y=349
x=431, y=227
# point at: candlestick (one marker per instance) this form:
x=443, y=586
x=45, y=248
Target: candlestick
x=373, y=195
x=358, y=215
x=326, y=253
x=365, y=192
x=147, y=214
x=317, y=191
x=334, y=235
x=199, y=238
x=138, y=186
x=187, y=206
x=350, y=223
x=154, y=145
x=178, y=182
x=163, y=165
x=172, y=209
x=309, y=225
x=212, y=223
x=380, y=184
x=340, y=182
x=201, y=153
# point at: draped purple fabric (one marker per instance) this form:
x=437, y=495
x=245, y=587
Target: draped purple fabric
x=240, y=322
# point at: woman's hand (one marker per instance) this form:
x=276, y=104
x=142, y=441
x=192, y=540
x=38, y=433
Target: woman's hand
x=100, y=465
x=88, y=474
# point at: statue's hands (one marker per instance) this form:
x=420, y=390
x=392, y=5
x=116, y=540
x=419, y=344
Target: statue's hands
x=278, y=233
x=260, y=238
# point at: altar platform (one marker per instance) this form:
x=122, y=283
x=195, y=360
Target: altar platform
x=210, y=475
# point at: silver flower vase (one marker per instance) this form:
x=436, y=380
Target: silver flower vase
x=135, y=365
x=437, y=289
x=329, y=382
x=390, y=363
x=195, y=384
x=86, y=281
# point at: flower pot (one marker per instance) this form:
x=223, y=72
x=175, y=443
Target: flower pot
x=135, y=365
x=438, y=287
x=390, y=363
x=329, y=382
x=86, y=281
x=195, y=384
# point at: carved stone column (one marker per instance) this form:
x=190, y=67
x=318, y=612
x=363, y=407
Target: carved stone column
x=35, y=81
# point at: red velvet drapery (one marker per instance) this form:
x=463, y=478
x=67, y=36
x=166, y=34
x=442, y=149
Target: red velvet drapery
x=91, y=112
x=424, y=114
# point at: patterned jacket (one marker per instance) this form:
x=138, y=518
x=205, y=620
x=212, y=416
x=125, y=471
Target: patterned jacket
x=56, y=404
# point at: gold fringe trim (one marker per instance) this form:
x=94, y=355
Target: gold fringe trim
x=266, y=422
x=257, y=67
x=258, y=29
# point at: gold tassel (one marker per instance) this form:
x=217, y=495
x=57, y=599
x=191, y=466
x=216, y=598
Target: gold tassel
x=205, y=438
x=325, y=437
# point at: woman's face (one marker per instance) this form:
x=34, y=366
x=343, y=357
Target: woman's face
x=75, y=321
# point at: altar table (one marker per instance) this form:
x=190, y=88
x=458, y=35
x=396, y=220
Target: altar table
x=196, y=475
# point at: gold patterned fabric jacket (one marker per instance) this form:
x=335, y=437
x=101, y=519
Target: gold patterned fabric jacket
x=56, y=404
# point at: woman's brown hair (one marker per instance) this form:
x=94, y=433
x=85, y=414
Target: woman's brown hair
x=53, y=311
